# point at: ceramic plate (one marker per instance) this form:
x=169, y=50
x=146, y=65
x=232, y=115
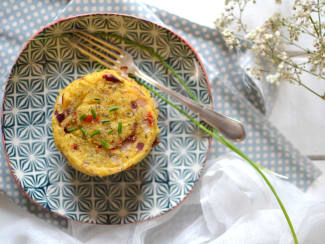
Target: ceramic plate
x=157, y=184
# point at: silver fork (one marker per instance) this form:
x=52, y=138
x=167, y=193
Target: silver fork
x=116, y=58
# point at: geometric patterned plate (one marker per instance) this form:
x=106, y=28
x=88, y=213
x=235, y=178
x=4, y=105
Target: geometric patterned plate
x=156, y=185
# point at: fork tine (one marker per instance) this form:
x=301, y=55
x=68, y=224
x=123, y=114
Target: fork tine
x=109, y=59
x=97, y=45
x=107, y=63
x=106, y=44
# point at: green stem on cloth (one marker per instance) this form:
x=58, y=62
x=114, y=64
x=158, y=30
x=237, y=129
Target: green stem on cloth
x=233, y=148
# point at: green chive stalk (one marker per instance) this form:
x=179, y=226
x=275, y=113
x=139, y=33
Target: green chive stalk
x=214, y=134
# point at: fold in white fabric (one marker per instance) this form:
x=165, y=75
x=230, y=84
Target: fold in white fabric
x=17, y=226
x=231, y=204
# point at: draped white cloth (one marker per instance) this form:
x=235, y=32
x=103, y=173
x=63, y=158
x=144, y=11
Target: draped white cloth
x=231, y=204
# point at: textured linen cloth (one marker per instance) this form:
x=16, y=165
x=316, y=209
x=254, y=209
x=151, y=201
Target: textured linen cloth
x=232, y=95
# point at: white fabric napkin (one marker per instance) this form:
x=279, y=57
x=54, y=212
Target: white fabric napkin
x=231, y=204
x=17, y=226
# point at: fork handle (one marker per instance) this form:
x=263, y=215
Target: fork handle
x=228, y=127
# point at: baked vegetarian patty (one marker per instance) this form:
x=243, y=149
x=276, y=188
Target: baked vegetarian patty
x=104, y=123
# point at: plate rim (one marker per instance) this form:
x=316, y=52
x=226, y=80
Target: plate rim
x=2, y=114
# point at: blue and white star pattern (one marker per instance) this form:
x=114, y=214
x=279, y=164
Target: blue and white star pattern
x=47, y=65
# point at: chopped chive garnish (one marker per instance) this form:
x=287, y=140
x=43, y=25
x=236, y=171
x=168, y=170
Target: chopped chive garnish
x=96, y=132
x=71, y=129
x=97, y=99
x=104, y=144
x=93, y=112
x=113, y=109
x=83, y=131
x=99, y=69
x=109, y=132
x=119, y=128
x=105, y=121
x=82, y=117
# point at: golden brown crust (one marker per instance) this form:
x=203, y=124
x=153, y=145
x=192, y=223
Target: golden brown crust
x=104, y=123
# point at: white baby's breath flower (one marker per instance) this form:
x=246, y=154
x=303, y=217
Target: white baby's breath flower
x=268, y=36
x=270, y=40
x=271, y=78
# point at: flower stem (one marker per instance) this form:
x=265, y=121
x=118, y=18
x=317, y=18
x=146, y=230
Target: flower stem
x=319, y=21
x=294, y=44
x=241, y=10
x=307, y=87
x=293, y=54
x=314, y=25
x=312, y=91
x=302, y=27
x=296, y=66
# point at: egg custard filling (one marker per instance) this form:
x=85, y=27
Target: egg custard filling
x=104, y=123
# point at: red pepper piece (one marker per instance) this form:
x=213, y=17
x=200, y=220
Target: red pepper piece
x=149, y=119
x=75, y=146
x=88, y=118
